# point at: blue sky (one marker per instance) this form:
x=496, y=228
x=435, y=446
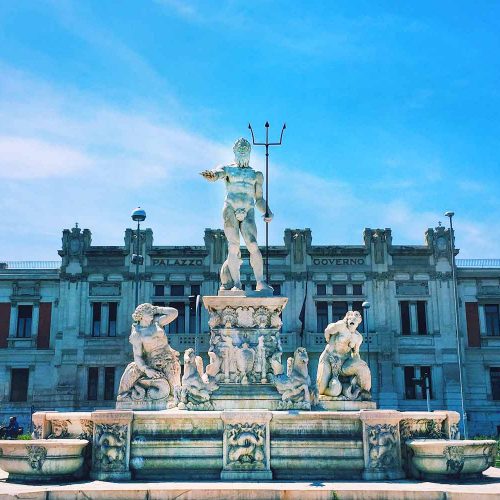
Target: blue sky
x=392, y=112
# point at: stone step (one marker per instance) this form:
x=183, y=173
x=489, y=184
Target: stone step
x=246, y=391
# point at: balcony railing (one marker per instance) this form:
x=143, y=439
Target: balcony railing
x=489, y=263
x=30, y=264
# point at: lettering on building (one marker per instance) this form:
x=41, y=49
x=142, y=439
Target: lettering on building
x=177, y=262
x=350, y=261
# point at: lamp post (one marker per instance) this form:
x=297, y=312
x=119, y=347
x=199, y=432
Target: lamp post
x=450, y=215
x=138, y=215
x=366, y=305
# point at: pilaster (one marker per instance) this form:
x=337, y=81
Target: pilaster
x=246, y=446
x=111, y=445
x=381, y=445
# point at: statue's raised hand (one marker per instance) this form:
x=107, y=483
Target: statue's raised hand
x=269, y=217
x=209, y=175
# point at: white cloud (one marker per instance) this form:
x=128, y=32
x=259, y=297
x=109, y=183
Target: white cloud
x=32, y=158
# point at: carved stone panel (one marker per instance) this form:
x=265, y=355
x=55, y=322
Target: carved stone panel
x=246, y=445
x=381, y=444
x=111, y=445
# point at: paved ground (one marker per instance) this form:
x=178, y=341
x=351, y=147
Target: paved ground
x=486, y=489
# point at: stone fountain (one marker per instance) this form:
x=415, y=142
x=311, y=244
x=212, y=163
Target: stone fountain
x=248, y=415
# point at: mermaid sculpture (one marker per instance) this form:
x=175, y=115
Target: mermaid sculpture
x=149, y=381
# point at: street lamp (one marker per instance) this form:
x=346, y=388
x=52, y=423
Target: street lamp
x=138, y=215
x=366, y=305
x=450, y=215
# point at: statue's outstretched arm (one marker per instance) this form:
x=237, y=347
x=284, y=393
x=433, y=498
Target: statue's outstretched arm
x=260, y=202
x=214, y=174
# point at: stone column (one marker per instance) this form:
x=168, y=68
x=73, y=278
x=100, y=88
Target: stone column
x=14, y=311
x=35, y=319
x=381, y=445
x=104, y=319
x=246, y=446
x=111, y=445
x=413, y=318
x=482, y=320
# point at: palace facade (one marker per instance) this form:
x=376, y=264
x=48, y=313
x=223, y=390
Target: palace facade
x=64, y=325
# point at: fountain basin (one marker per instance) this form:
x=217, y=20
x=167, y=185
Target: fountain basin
x=442, y=458
x=41, y=460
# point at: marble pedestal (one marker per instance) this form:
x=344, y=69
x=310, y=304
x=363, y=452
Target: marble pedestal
x=245, y=349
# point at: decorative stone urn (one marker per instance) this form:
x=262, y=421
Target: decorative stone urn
x=435, y=459
x=42, y=460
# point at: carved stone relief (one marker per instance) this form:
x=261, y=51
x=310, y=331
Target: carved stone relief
x=246, y=446
x=36, y=456
x=455, y=458
x=382, y=445
x=59, y=429
x=110, y=446
x=420, y=428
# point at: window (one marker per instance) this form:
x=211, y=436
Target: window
x=358, y=306
x=410, y=392
x=492, y=314
x=109, y=383
x=321, y=289
x=425, y=372
x=276, y=289
x=339, y=290
x=179, y=325
x=96, y=319
x=177, y=290
x=421, y=317
x=19, y=378
x=321, y=316
x=339, y=310
x=495, y=383
x=192, y=318
x=404, y=309
x=195, y=289
x=357, y=289
x=113, y=312
x=93, y=379
x=415, y=378
x=24, y=320
x=159, y=290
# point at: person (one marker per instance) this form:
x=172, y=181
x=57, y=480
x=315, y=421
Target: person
x=155, y=370
x=12, y=430
x=243, y=193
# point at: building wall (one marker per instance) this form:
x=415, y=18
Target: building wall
x=391, y=277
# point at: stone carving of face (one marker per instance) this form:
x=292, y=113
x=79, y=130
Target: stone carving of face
x=241, y=151
x=353, y=320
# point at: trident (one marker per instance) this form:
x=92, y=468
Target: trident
x=266, y=215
